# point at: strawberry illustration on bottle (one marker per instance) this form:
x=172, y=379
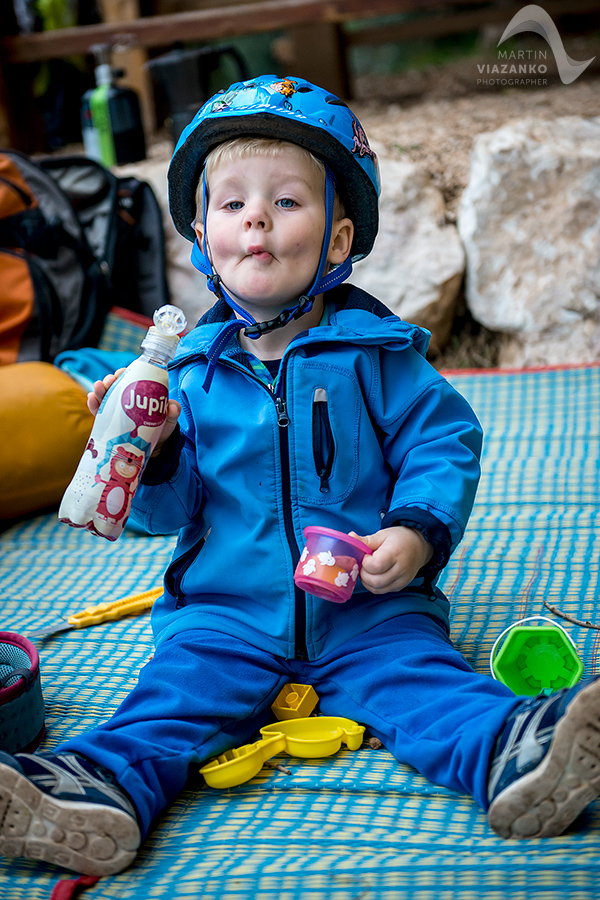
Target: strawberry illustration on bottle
x=126, y=430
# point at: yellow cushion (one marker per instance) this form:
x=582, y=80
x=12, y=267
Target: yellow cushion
x=45, y=425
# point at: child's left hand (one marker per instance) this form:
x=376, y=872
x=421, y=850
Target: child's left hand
x=398, y=554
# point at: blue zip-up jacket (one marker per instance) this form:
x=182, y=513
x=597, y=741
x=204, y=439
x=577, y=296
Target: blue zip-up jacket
x=360, y=432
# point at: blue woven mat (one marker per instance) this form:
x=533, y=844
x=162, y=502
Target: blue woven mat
x=356, y=825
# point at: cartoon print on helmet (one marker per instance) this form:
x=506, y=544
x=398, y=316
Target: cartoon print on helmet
x=288, y=88
x=361, y=144
x=224, y=100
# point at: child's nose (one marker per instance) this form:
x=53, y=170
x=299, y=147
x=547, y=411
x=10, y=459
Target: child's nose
x=257, y=215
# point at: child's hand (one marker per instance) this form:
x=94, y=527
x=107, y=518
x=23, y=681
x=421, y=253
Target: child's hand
x=398, y=554
x=96, y=396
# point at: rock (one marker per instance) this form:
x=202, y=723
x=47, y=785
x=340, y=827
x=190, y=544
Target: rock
x=564, y=346
x=417, y=264
x=529, y=219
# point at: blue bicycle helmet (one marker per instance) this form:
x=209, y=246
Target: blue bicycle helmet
x=294, y=110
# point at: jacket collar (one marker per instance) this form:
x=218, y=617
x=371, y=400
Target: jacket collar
x=357, y=318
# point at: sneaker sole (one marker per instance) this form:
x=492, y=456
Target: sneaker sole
x=85, y=837
x=546, y=801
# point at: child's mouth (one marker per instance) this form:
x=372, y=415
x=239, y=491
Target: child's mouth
x=259, y=253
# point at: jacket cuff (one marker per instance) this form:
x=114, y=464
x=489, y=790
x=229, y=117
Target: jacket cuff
x=434, y=532
x=161, y=468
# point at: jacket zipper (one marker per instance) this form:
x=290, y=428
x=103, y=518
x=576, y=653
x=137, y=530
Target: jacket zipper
x=185, y=561
x=176, y=571
x=300, y=649
x=323, y=443
x=283, y=420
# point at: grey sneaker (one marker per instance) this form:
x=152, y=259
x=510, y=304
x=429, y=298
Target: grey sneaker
x=65, y=809
x=546, y=764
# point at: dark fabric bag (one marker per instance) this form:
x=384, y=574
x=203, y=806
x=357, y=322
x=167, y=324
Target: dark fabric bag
x=75, y=240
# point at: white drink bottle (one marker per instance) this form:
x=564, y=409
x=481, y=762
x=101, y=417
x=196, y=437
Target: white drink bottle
x=125, y=432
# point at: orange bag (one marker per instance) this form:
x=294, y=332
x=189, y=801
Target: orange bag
x=45, y=425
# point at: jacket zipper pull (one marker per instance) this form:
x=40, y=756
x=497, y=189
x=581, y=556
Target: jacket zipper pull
x=282, y=416
x=323, y=443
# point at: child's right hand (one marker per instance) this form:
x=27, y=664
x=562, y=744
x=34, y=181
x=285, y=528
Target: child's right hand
x=96, y=396
x=99, y=389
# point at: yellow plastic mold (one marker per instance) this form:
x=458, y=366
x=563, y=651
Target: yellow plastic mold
x=307, y=738
x=295, y=701
x=242, y=763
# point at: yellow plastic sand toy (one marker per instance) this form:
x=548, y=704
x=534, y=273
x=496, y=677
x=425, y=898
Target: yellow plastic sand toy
x=295, y=701
x=308, y=738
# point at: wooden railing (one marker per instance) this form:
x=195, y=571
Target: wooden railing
x=252, y=18
x=203, y=24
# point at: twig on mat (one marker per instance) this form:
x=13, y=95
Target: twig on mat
x=279, y=767
x=562, y=615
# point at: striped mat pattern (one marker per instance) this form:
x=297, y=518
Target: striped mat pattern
x=356, y=826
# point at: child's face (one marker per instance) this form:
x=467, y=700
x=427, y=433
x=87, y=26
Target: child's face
x=265, y=224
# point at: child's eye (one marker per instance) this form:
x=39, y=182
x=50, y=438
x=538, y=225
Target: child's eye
x=286, y=203
x=235, y=204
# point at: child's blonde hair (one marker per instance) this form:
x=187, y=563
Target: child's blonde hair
x=243, y=147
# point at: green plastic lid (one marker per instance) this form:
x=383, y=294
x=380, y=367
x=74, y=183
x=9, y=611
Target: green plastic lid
x=536, y=659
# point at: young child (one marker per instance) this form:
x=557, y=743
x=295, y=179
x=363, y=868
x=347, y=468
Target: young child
x=299, y=400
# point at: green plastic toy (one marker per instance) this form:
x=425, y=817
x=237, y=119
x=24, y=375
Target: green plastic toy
x=535, y=659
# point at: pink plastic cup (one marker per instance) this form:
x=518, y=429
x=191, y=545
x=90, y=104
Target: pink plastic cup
x=330, y=563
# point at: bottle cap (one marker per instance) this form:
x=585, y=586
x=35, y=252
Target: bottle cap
x=169, y=320
x=163, y=337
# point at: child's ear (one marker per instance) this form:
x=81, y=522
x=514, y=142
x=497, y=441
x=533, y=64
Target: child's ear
x=199, y=232
x=341, y=241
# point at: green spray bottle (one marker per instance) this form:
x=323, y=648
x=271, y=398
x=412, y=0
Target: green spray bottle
x=111, y=122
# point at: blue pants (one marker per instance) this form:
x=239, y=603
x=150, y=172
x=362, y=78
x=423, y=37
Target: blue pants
x=204, y=693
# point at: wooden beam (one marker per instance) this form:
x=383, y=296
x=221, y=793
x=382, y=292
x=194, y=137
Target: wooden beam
x=200, y=25
x=320, y=56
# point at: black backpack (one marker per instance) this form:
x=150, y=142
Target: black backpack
x=75, y=240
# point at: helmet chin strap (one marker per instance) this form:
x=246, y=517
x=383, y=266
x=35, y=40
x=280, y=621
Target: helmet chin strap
x=201, y=259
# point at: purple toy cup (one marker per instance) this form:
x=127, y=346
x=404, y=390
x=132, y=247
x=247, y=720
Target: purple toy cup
x=330, y=563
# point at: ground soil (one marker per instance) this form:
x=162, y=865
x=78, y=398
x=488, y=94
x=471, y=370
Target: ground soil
x=432, y=118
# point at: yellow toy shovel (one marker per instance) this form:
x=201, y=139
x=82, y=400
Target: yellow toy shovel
x=104, y=612
x=308, y=738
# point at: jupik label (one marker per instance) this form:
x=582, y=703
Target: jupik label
x=146, y=403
